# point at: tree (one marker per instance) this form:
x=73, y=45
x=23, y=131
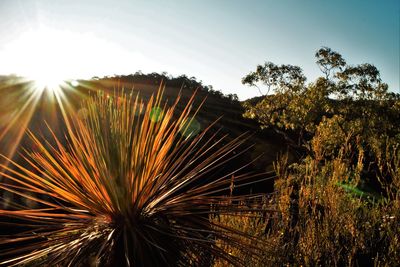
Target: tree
x=328, y=61
x=279, y=78
x=348, y=174
x=355, y=94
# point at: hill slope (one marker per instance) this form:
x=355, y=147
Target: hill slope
x=18, y=112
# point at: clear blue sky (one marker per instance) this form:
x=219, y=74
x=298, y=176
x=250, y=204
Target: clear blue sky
x=218, y=42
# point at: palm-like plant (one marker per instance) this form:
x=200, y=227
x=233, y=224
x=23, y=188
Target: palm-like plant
x=130, y=187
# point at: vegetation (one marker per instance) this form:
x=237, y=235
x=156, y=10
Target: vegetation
x=339, y=202
x=138, y=184
x=320, y=222
x=181, y=81
x=133, y=186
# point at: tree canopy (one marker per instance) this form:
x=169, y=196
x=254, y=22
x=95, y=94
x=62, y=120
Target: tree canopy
x=347, y=104
x=354, y=92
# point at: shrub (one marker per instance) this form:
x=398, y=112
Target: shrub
x=131, y=187
x=324, y=219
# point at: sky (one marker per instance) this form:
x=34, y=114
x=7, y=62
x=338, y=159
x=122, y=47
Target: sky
x=218, y=42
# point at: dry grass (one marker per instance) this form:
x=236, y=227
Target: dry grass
x=323, y=219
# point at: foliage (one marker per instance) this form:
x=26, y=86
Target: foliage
x=350, y=104
x=322, y=219
x=129, y=188
x=338, y=204
x=355, y=93
x=181, y=81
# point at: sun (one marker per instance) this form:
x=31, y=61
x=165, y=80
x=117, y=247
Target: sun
x=50, y=56
x=47, y=83
x=47, y=80
x=48, y=61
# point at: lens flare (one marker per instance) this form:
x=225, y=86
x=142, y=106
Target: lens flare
x=191, y=127
x=74, y=83
x=156, y=114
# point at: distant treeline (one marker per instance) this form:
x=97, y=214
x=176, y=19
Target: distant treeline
x=155, y=78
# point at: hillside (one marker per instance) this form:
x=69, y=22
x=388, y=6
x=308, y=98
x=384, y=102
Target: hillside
x=16, y=113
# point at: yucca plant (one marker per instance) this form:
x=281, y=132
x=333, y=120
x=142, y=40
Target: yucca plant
x=131, y=186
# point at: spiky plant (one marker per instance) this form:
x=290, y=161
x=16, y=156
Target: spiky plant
x=130, y=187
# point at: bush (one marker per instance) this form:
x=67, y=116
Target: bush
x=323, y=219
x=133, y=186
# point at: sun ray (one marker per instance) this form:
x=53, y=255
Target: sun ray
x=20, y=121
x=26, y=103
